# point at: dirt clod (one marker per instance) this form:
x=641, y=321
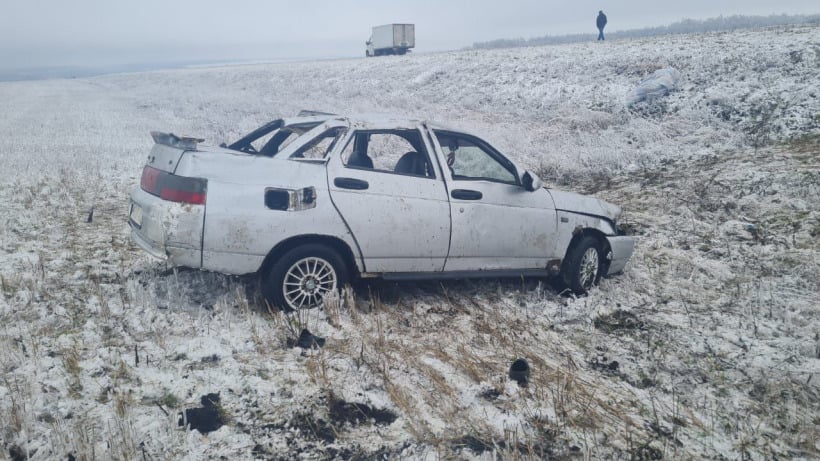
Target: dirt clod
x=617, y=321
x=306, y=340
x=16, y=453
x=207, y=418
x=342, y=412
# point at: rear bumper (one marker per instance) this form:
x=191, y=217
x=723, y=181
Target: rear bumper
x=621, y=250
x=152, y=248
x=168, y=230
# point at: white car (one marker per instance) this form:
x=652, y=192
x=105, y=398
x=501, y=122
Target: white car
x=315, y=201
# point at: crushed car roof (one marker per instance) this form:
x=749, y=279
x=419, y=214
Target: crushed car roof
x=314, y=117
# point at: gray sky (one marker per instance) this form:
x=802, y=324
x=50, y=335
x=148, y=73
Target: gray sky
x=113, y=32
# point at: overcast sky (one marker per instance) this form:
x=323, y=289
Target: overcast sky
x=113, y=32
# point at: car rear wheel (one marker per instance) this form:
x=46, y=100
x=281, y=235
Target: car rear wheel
x=303, y=276
x=583, y=267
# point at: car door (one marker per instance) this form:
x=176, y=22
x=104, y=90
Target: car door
x=391, y=194
x=496, y=223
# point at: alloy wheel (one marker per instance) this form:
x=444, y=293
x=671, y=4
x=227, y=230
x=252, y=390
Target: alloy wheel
x=589, y=267
x=307, y=281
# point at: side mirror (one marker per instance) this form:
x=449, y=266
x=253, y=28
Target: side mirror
x=530, y=181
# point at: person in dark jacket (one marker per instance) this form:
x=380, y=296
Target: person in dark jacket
x=601, y=23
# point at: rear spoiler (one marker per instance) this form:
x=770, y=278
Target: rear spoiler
x=172, y=140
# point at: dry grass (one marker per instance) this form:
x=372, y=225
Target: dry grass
x=71, y=361
x=721, y=360
x=439, y=352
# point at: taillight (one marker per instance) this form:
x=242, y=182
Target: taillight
x=172, y=187
x=150, y=180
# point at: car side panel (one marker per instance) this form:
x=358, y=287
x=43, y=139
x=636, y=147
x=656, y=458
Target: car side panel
x=401, y=222
x=507, y=228
x=240, y=230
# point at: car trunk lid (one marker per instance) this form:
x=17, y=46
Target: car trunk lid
x=168, y=150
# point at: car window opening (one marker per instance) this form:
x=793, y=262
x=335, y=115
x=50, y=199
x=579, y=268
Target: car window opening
x=471, y=159
x=320, y=146
x=391, y=151
x=271, y=138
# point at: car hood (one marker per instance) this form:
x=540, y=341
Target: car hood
x=584, y=204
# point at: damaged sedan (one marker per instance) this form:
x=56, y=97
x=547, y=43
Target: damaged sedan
x=313, y=202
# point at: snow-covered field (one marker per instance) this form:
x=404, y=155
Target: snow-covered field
x=708, y=346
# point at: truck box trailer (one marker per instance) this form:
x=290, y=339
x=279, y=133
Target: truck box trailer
x=391, y=39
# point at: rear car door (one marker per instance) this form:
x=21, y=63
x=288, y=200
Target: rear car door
x=496, y=223
x=391, y=194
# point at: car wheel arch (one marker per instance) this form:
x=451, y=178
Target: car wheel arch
x=293, y=242
x=579, y=235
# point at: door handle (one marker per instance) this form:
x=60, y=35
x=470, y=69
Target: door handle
x=466, y=194
x=351, y=183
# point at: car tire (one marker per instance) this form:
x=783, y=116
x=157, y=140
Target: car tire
x=584, y=266
x=302, y=276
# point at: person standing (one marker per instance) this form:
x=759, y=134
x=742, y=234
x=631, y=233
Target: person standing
x=601, y=23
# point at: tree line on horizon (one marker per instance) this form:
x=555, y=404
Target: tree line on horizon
x=685, y=26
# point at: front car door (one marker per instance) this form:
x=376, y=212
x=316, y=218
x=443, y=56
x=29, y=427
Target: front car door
x=496, y=223
x=391, y=194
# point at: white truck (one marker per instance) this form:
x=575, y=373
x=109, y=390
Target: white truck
x=391, y=39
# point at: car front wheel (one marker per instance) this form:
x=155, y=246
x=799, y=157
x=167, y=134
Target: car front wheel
x=584, y=265
x=303, y=276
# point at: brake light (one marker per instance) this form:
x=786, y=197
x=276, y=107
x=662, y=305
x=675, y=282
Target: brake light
x=183, y=196
x=150, y=179
x=173, y=188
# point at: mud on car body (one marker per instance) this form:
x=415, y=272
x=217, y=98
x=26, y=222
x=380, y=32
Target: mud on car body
x=312, y=202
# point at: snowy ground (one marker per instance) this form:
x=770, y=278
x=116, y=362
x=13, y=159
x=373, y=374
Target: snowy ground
x=708, y=346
